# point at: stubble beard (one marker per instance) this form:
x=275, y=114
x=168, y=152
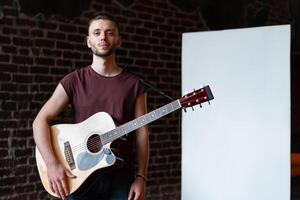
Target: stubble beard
x=107, y=53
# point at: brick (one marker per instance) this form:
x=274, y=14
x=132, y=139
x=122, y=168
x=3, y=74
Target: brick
x=67, y=28
x=158, y=48
x=52, y=53
x=4, y=115
x=88, y=56
x=22, y=42
x=22, y=78
x=22, y=60
x=25, y=22
x=4, y=58
x=64, y=45
x=23, y=114
x=23, y=152
x=44, y=43
x=7, y=21
x=158, y=34
x=24, y=188
x=128, y=13
x=24, y=52
x=3, y=152
x=151, y=55
x=9, y=31
x=39, y=70
x=150, y=25
x=112, y=9
x=144, y=47
x=43, y=78
x=22, y=170
x=9, y=87
x=8, y=105
x=126, y=61
x=44, y=61
x=136, y=22
x=76, y=38
x=82, y=47
x=5, y=77
x=72, y=55
x=47, y=86
x=55, y=35
x=144, y=16
x=50, y=25
x=82, y=63
x=37, y=33
x=64, y=62
x=19, y=143
x=138, y=38
x=6, y=191
x=142, y=31
x=141, y=62
x=9, y=49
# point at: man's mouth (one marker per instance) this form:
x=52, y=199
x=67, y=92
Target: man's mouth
x=103, y=45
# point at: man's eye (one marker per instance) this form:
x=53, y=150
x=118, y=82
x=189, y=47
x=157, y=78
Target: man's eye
x=110, y=33
x=96, y=33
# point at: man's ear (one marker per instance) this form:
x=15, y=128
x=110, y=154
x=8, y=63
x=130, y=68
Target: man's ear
x=119, y=41
x=88, y=41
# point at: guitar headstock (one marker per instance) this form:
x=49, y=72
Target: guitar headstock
x=196, y=97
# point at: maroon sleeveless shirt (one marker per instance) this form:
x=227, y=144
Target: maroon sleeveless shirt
x=90, y=92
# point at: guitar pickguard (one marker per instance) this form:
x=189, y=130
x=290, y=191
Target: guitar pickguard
x=86, y=160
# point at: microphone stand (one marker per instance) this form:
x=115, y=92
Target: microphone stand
x=149, y=85
x=152, y=87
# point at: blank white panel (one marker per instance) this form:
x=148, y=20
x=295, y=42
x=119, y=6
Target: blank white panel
x=238, y=148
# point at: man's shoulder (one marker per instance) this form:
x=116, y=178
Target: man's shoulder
x=75, y=75
x=78, y=72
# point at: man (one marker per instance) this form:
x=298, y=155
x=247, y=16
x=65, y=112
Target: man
x=101, y=87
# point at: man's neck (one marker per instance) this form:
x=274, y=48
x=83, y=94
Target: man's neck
x=106, y=66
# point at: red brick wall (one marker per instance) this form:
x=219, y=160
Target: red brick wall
x=36, y=54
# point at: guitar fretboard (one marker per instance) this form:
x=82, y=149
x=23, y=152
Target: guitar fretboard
x=139, y=122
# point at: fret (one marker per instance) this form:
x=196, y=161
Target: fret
x=139, y=122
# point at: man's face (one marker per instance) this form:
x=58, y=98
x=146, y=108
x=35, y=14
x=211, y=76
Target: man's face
x=103, y=38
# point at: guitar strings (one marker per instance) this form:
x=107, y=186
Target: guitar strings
x=93, y=142
x=96, y=141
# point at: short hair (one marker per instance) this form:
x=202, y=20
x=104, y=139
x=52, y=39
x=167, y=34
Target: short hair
x=104, y=16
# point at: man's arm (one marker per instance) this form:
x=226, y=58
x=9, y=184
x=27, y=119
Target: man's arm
x=41, y=133
x=142, y=149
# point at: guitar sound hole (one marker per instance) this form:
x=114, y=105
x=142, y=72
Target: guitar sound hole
x=94, y=143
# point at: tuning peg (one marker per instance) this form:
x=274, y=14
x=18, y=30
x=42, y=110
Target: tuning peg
x=192, y=108
x=184, y=110
x=208, y=102
x=200, y=105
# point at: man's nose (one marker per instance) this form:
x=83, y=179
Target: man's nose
x=102, y=36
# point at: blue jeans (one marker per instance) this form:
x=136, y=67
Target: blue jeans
x=112, y=185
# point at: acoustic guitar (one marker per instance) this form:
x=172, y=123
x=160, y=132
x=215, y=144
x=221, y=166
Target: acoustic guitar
x=85, y=147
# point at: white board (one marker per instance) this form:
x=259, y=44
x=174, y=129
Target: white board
x=238, y=148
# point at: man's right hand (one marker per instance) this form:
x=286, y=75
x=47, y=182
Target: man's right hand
x=57, y=177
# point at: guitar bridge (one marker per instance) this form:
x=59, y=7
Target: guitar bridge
x=69, y=155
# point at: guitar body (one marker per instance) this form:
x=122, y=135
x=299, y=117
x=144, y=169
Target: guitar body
x=78, y=147
x=84, y=148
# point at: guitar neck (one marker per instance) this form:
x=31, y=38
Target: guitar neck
x=139, y=122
